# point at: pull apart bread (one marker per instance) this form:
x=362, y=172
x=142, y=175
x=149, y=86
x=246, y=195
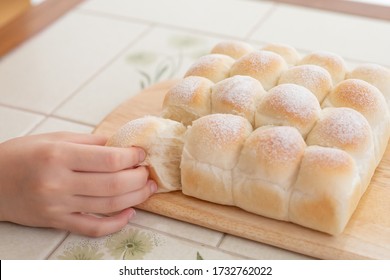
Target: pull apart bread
x=279, y=135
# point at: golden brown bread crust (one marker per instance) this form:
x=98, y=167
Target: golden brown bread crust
x=327, y=190
x=313, y=77
x=331, y=62
x=214, y=67
x=374, y=74
x=267, y=166
x=237, y=95
x=347, y=130
x=264, y=66
x=288, y=104
x=290, y=54
x=343, y=128
x=234, y=49
x=188, y=100
x=217, y=139
x=212, y=147
x=320, y=132
x=361, y=96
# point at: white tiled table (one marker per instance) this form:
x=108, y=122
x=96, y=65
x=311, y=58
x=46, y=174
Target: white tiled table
x=70, y=76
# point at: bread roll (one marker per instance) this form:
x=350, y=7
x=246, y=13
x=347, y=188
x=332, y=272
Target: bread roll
x=266, y=169
x=162, y=139
x=305, y=163
x=188, y=100
x=290, y=54
x=214, y=67
x=333, y=63
x=348, y=130
x=313, y=77
x=264, y=66
x=289, y=104
x=237, y=95
x=369, y=101
x=374, y=74
x=326, y=191
x=234, y=49
x=211, y=149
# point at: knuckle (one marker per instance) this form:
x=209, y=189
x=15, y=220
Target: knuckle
x=113, y=161
x=45, y=186
x=50, y=154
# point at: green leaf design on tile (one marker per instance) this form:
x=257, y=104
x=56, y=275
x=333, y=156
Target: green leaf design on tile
x=198, y=256
x=183, y=41
x=141, y=58
x=81, y=252
x=145, y=79
x=165, y=68
x=130, y=244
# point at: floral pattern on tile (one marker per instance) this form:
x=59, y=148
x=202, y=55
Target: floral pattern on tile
x=131, y=244
x=128, y=244
x=153, y=67
x=82, y=252
x=159, y=55
x=136, y=243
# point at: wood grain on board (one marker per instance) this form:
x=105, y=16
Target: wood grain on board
x=367, y=235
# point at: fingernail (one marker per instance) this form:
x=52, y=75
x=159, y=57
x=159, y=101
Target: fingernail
x=153, y=186
x=142, y=155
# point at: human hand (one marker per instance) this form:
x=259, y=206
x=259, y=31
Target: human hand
x=57, y=179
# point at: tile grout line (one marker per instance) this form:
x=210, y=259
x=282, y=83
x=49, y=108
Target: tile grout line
x=72, y=120
x=26, y=110
x=221, y=240
x=49, y=254
x=100, y=70
x=161, y=24
x=260, y=22
x=191, y=241
x=206, y=33
x=32, y=111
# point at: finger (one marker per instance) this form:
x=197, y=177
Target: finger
x=109, y=184
x=104, y=205
x=98, y=226
x=92, y=158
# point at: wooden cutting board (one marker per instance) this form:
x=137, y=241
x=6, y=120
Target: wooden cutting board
x=367, y=235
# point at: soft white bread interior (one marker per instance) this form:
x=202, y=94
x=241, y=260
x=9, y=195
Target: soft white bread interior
x=266, y=170
x=214, y=67
x=313, y=77
x=288, y=104
x=331, y=62
x=264, y=66
x=162, y=139
x=234, y=49
x=237, y=95
x=326, y=191
x=188, y=100
x=211, y=149
x=290, y=54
